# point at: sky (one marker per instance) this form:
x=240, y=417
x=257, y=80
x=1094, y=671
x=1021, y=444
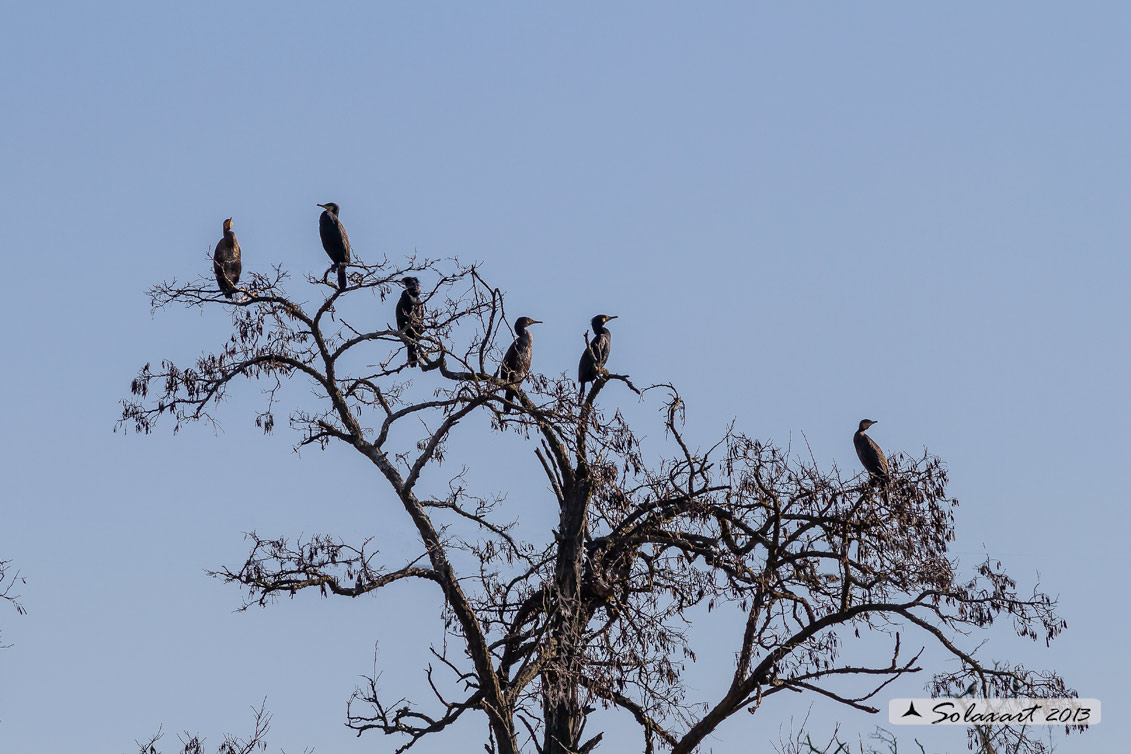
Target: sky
x=803, y=215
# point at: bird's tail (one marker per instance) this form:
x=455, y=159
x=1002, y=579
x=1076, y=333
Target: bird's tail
x=510, y=396
x=412, y=356
x=223, y=280
x=341, y=277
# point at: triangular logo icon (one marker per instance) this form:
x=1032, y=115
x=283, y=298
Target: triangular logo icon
x=911, y=711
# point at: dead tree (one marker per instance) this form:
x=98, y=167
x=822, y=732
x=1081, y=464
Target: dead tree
x=8, y=582
x=195, y=744
x=595, y=612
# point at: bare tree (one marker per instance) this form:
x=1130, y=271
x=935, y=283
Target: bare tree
x=8, y=582
x=883, y=741
x=542, y=630
x=194, y=744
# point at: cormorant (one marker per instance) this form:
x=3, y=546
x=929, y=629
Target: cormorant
x=595, y=355
x=334, y=240
x=410, y=316
x=516, y=364
x=870, y=454
x=226, y=261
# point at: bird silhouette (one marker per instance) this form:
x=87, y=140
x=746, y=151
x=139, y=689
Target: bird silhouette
x=595, y=355
x=410, y=317
x=872, y=458
x=516, y=362
x=226, y=261
x=334, y=240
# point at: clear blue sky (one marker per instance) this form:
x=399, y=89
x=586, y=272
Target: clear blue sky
x=803, y=215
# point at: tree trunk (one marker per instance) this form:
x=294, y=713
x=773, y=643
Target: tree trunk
x=560, y=682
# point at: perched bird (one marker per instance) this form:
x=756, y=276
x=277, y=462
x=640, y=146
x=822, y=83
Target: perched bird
x=595, y=355
x=870, y=454
x=516, y=364
x=334, y=240
x=226, y=261
x=410, y=316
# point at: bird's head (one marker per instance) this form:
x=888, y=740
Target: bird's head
x=227, y=225
x=865, y=423
x=600, y=320
x=330, y=207
x=412, y=285
x=524, y=322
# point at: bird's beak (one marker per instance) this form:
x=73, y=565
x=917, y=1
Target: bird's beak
x=323, y=206
x=610, y=318
x=536, y=322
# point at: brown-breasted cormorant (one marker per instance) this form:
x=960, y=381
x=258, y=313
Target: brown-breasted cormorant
x=226, y=261
x=870, y=454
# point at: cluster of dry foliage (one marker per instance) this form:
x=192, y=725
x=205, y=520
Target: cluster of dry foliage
x=595, y=613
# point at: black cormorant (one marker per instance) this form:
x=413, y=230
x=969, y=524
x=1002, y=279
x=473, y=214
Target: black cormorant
x=410, y=316
x=870, y=454
x=226, y=261
x=516, y=364
x=334, y=240
x=595, y=355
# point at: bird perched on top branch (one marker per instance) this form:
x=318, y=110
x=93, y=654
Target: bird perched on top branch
x=516, y=362
x=596, y=352
x=226, y=261
x=334, y=240
x=870, y=454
